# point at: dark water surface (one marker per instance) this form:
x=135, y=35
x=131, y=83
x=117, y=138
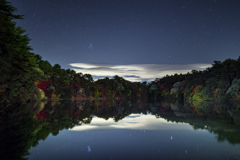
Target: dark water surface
x=120, y=130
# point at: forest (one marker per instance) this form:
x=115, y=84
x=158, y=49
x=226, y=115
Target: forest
x=26, y=77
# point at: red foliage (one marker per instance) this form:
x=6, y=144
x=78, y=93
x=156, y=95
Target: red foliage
x=162, y=86
x=194, y=89
x=42, y=115
x=78, y=85
x=43, y=85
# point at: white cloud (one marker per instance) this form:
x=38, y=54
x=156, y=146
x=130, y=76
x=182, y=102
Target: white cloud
x=136, y=72
x=134, y=121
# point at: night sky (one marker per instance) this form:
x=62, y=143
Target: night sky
x=136, y=39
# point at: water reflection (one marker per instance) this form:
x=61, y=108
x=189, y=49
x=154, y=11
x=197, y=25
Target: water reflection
x=22, y=126
x=133, y=121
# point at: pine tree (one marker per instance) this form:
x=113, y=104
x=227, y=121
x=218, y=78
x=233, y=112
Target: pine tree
x=17, y=64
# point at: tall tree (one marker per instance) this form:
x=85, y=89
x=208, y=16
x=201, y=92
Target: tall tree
x=17, y=63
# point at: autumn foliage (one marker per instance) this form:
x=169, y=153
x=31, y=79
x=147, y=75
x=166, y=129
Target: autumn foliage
x=194, y=89
x=78, y=86
x=43, y=85
x=42, y=115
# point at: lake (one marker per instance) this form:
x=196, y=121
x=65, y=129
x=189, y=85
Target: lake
x=120, y=130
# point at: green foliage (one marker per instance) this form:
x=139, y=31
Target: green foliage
x=234, y=88
x=177, y=85
x=175, y=91
x=153, y=88
x=198, y=96
x=97, y=94
x=16, y=58
x=165, y=93
x=52, y=88
x=39, y=95
x=66, y=93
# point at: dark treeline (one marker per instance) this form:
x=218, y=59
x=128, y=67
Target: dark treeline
x=220, y=82
x=26, y=77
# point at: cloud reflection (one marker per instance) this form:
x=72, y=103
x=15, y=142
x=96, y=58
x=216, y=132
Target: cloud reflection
x=136, y=72
x=134, y=121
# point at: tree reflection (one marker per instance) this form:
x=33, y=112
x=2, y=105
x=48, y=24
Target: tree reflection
x=22, y=125
x=218, y=118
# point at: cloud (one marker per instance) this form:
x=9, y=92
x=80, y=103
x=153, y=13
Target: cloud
x=134, y=121
x=136, y=72
x=132, y=76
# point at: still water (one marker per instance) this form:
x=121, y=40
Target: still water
x=120, y=130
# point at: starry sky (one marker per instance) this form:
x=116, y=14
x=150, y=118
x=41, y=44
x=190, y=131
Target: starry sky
x=136, y=39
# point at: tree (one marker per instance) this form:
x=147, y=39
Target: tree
x=45, y=66
x=18, y=67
